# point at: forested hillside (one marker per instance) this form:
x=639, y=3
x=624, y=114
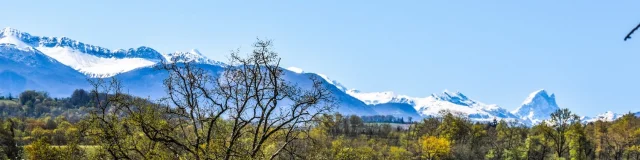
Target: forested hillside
x=35, y=126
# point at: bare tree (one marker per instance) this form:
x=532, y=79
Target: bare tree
x=264, y=104
x=208, y=114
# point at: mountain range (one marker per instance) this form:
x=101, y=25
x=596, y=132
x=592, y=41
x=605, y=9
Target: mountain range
x=60, y=65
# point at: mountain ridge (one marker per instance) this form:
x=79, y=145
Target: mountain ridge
x=435, y=103
x=28, y=59
x=139, y=52
x=95, y=61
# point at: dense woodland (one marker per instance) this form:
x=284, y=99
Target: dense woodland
x=250, y=112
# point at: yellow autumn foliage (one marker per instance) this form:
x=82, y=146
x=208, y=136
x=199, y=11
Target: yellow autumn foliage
x=434, y=147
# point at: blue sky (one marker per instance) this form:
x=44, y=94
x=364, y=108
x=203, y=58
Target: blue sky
x=493, y=51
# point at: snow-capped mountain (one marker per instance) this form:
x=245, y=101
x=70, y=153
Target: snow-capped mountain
x=537, y=107
x=25, y=68
x=91, y=60
x=59, y=65
x=606, y=116
x=455, y=102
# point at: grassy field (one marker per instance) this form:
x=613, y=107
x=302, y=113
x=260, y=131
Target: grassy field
x=8, y=102
x=88, y=149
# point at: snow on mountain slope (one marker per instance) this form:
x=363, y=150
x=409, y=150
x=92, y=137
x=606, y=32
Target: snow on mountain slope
x=434, y=104
x=76, y=61
x=192, y=56
x=91, y=60
x=92, y=65
x=59, y=64
x=22, y=70
x=295, y=70
x=606, y=116
x=13, y=40
x=537, y=107
x=326, y=78
x=458, y=102
x=346, y=104
x=373, y=98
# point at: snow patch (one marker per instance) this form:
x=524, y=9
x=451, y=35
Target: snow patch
x=296, y=70
x=372, y=98
x=10, y=39
x=94, y=66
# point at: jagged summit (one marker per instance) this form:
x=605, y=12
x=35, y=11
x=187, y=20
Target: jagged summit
x=9, y=31
x=539, y=94
x=8, y=38
x=537, y=106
